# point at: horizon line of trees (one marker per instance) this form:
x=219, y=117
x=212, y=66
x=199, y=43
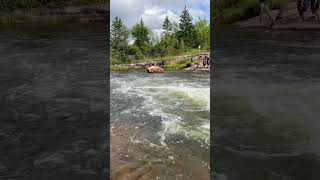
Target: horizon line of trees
x=175, y=38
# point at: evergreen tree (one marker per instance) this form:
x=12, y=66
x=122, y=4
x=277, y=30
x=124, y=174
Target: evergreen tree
x=119, y=38
x=119, y=34
x=187, y=31
x=167, y=28
x=141, y=34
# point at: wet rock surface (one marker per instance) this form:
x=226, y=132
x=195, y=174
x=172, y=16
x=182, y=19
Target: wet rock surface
x=134, y=157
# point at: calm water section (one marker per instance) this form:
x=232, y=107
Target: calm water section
x=266, y=105
x=53, y=115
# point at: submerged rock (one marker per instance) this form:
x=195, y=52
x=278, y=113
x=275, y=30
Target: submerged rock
x=155, y=69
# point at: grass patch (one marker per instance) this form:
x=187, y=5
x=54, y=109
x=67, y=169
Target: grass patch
x=10, y=19
x=177, y=66
x=120, y=68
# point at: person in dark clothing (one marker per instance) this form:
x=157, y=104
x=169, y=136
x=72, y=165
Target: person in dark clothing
x=314, y=6
x=264, y=9
x=302, y=6
x=208, y=61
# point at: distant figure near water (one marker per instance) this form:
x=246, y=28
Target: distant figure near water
x=204, y=62
x=264, y=9
x=314, y=6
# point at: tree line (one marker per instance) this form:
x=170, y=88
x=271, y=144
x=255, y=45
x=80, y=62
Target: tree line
x=176, y=38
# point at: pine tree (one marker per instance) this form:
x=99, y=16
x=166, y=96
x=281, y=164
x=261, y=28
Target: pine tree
x=119, y=39
x=141, y=34
x=119, y=34
x=187, y=31
x=167, y=28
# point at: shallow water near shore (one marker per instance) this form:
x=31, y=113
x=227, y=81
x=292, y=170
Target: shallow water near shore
x=163, y=120
x=266, y=101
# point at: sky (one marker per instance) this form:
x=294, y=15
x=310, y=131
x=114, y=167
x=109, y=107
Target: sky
x=153, y=12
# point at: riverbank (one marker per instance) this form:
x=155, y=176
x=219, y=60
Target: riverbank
x=98, y=12
x=290, y=21
x=247, y=16
x=186, y=62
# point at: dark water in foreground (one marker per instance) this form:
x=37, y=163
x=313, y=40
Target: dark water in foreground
x=53, y=102
x=266, y=105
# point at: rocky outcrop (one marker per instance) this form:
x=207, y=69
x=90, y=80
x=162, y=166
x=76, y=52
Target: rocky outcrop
x=197, y=63
x=155, y=69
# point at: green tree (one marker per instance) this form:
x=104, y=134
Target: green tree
x=119, y=34
x=167, y=28
x=141, y=34
x=119, y=39
x=187, y=30
x=203, y=33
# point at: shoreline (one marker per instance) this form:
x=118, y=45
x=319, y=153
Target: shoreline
x=290, y=20
x=182, y=63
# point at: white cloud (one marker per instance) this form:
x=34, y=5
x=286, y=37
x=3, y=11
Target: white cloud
x=153, y=12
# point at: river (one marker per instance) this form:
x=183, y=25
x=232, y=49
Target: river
x=53, y=110
x=160, y=125
x=266, y=105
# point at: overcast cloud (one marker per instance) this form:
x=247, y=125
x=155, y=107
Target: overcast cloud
x=153, y=12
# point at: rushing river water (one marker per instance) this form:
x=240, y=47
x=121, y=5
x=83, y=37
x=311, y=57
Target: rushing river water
x=53, y=102
x=160, y=125
x=266, y=105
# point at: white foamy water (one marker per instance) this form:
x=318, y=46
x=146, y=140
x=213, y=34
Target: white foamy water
x=181, y=101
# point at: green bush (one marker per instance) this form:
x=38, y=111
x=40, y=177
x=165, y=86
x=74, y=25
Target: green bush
x=139, y=55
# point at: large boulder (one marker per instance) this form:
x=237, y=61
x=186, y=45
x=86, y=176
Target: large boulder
x=155, y=69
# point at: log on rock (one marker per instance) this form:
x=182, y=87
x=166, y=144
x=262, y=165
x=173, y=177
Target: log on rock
x=155, y=69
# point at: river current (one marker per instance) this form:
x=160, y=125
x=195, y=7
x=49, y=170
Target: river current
x=167, y=117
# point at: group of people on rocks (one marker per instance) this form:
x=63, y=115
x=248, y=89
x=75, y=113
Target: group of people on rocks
x=302, y=6
x=206, y=62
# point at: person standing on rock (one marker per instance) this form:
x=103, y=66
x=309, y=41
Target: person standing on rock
x=208, y=61
x=303, y=6
x=314, y=6
x=264, y=9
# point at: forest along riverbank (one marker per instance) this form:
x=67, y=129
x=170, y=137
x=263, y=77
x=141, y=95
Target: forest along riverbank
x=266, y=88
x=160, y=125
